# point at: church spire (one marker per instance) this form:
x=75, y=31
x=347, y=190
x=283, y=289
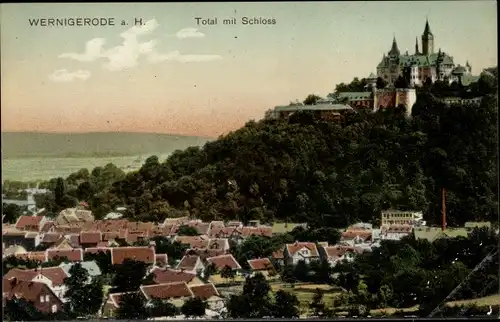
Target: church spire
x=427, y=30
x=394, y=49
x=416, y=46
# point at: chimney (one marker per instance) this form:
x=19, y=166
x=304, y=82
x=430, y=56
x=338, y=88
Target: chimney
x=443, y=209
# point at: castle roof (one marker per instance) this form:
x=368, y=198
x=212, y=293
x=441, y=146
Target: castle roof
x=419, y=60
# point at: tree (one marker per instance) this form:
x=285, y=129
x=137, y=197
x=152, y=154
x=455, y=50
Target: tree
x=285, y=305
x=132, y=306
x=381, y=83
x=254, y=302
x=311, y=99
x=129, y=276
x=59, y=192
x=318, y=306
x=301, y=271
x=227, y=272
x=160, y=308
x=84, y=298
x=187, y=231
x=401, y=82
x=11, y=212
x=194, y=307
x=21, y=310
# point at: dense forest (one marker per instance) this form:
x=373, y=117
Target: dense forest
x=306, y=170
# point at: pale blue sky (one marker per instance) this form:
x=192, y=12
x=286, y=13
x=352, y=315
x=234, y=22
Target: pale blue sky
x=312, y=47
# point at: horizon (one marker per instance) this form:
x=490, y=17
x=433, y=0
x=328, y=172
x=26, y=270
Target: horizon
x=173, y=76
x=103, y=132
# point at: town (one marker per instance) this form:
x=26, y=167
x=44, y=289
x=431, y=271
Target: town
x=184, y=258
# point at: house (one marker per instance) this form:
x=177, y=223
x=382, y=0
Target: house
x=30, y=223
x=90, y=238
x=38, y=293
x=354, y=237
x=193, y=241
x=337, y=254
x=65, y=243
x=112, y=304
x=90, y=266
x=53, y=277
x=220, y=262
x=72, y=255
x=205, y=253
x=50, y=239
x=143, y=254
x=18, y=238
x=209, y=293
x=262, y=265
x=33, y=256
x=176, y=293
x=298, y=251
x=13, y=250
x=400, y=217
x=395, y=232
x=192, y=264
x=168, y=275
x=278, y=257
x=71, y=215
x=219, y=243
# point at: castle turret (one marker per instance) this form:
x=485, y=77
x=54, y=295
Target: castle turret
x=417, y=52
x=427, y=40
x=394, y=52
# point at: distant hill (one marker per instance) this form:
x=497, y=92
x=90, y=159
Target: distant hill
x=24, y=144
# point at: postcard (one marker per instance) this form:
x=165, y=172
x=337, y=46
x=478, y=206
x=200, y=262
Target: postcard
x=175, y=156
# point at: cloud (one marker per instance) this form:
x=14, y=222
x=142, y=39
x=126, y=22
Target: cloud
x=63, y=75
x=127, y=55
x=189, y=33
x=93, y=50
x=177, y=56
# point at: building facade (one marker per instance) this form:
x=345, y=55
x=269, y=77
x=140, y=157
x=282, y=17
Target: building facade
x=419, y=66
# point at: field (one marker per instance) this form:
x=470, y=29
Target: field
x=482, y=301
x=42, y=156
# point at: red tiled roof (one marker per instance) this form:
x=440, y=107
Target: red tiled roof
x=257, y=231
x=55, y=274
x=143, y=254
x=90, y=237
x=188, y=262
x=50, y=238
x=73, y=255
x=27, y=290
x=96, y=250
x=166, y=291
x=192, y=241
x=218, y=243
x=224, y=260
x=260, y=264
x=205, y=253
x=295, y=247
x=204, y=291
x=116, y=297
x=36, y=256
x=351, y=234
x=162, y=276
x=29, y=222
x=47, y=226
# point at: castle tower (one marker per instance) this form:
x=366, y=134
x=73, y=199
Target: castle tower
x=417, y=52
x=394, y=52
x=427, y=40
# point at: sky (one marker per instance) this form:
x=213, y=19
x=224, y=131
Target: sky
x=173, y=75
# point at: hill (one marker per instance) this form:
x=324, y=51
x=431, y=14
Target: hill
x=23, y=144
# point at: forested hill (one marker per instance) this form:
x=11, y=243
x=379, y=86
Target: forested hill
x=22, y=144
x=304, y=170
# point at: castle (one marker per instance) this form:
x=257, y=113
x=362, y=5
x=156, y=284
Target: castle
x=420, y=66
